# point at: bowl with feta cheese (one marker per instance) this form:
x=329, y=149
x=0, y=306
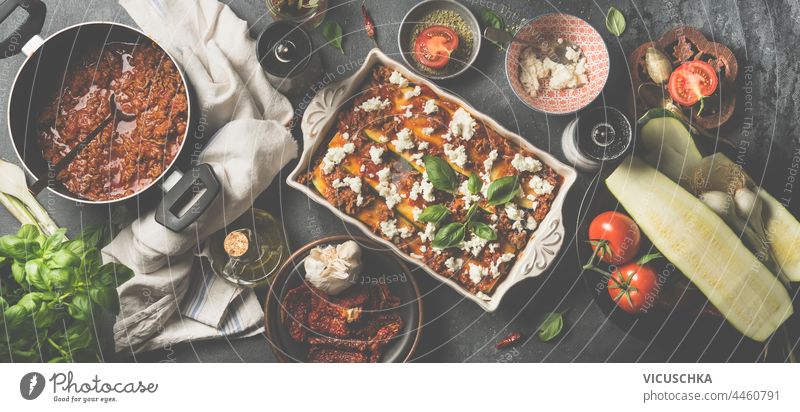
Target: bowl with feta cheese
x=557, y=63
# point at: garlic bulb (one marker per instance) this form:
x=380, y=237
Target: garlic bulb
x=659, y=68
x=333, y=269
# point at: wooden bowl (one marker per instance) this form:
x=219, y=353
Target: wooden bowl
x=705, y=50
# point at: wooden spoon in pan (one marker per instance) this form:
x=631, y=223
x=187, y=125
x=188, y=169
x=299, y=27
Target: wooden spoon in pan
x=43, y=179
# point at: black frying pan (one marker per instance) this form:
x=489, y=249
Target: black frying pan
x=186, y=195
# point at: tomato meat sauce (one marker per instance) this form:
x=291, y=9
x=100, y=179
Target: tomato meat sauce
x=127, y=156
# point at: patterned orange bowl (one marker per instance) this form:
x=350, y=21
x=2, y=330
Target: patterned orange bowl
x=550, y=29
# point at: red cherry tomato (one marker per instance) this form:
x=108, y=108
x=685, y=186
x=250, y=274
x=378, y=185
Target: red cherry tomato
x=692, y=81
x=615, y=237
x=632, y=286
x=434, y=45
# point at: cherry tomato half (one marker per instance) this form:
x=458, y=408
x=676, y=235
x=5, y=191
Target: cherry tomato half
x=615, y=237
x=632, y=286
x=434, y=45
x=692, y=81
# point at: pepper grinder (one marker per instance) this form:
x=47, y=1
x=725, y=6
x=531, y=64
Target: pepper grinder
x=287, y=56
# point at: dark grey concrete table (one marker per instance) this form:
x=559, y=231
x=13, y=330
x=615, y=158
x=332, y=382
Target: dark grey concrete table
x=762, y=34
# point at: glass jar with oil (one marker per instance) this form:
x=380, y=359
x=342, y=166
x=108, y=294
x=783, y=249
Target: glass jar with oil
x=249, y=251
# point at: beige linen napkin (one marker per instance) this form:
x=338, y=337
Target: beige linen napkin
x=174, y=296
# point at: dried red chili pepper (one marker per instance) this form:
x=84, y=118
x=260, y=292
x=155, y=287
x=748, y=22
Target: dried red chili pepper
x=369, y=25
x=509, y=340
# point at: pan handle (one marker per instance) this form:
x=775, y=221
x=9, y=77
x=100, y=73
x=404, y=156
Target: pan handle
x=175, y=212
x=29, y=29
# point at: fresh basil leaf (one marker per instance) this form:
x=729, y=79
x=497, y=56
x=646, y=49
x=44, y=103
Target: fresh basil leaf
x=434, y=214
x=60, y=278
x=46, y=315
x=470, y=213
x=15, y=316
x=615, y=22
x=106, y=297
x=18, y=248
x=490, y=18
x=77, y=247
x=93, y=236
x=483, y=231
x=63, y=258
x=80, y=307
x=550, y=327
x=79, y=336
x=32, y=300
x=449, y=236
x=28, y=231
x=111, y=274
x=3, y=303
x=18, y=273
x=90, y=263
x=36, y=274
x=474, y=185
x=503, y=190
x=54, y=241
x=333, y=33
x=440, y=173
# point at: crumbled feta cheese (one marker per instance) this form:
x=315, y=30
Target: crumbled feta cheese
x=359, y=200
x=373, y=104
x=489, y=162
x=415, y=213
x=430, y=107
x=474, y=245
x=363, y=168
x=413, y=93
x=463, y=124
x=506, y=257
x=354, y=183
x=375, y=153
x=423, y=145
x=398, y=79
x=493, y=247
x=404, y=141
x=516, y=215
x=428, y=131
x=417, y=158
x=335, y=155
x=423, y=248
x=526, y=163
x=346, y=136
x=457, y=156
x=476, y=273
x=467, y=196
x=540, y=186
x=572, y=53
x=383, y=139
x=483, y=296
x=405, y=232
x=386, y=189
x=454, y=264
x=427, y=189
x=415, y=190
x=430, y=230
x=493, y=217
x=531, y=224
x=389, y=228
x=448, y=136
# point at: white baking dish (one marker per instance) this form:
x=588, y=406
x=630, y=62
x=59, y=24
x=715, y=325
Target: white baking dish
x=321, y=115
